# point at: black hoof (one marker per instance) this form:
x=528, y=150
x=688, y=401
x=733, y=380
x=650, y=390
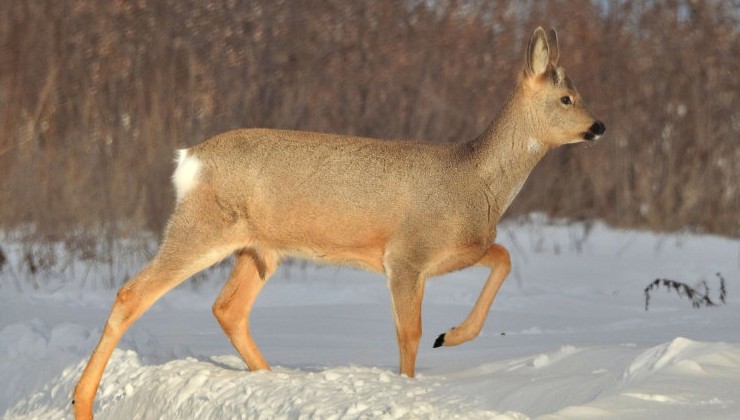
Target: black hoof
x=440, y=341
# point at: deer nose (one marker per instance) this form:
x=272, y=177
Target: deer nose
x=598, y=128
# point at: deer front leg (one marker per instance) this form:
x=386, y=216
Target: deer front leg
x=497, y=258
x=407, y=290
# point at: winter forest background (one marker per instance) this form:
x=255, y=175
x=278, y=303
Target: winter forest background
x=95, y=96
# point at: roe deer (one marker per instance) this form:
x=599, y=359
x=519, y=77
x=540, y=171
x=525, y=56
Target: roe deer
x=406, y=209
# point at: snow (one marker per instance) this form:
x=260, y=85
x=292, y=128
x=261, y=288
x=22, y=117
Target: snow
x=567, y=338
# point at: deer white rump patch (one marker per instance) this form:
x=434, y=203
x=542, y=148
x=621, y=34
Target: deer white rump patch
x=185, y=176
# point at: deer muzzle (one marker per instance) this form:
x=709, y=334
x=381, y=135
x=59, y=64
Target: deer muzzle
x=595, y=131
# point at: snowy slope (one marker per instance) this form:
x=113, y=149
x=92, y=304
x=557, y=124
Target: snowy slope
x=568, y=337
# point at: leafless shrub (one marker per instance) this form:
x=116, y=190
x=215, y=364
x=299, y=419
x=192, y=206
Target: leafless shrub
x=698, y=295
x=3, y=259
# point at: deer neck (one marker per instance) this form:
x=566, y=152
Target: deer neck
x=507, y=152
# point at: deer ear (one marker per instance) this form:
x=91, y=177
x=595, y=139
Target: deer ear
x=552, y=42
x=538, y=54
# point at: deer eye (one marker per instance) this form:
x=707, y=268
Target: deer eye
x=565, y=100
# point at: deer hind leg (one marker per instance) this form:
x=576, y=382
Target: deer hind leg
x=497, y=258
x=251, y=271
x=183, y=253
x=407, y=291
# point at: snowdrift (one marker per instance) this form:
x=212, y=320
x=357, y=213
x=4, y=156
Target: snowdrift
x=567, y=338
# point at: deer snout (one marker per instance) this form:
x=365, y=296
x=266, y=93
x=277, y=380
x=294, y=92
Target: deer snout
x=595, y=131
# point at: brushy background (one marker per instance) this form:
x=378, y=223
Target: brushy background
x=95, y=96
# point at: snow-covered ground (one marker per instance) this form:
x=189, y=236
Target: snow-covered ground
x=568, y=337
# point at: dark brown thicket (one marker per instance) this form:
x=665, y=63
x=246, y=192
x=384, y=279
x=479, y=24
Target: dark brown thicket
x=94, y=97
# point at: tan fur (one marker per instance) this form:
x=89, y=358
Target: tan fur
x=407, y=209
